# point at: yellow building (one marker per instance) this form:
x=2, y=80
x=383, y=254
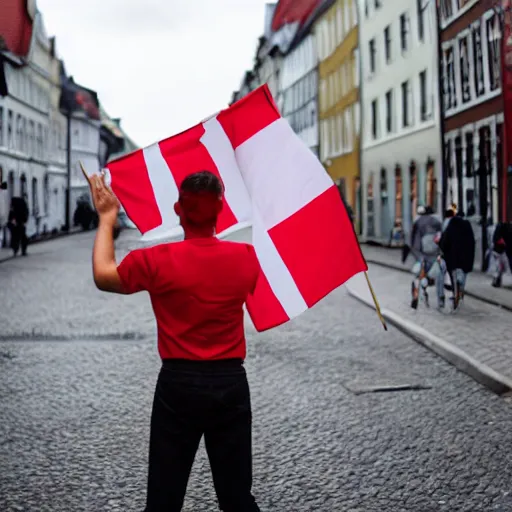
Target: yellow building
x=339, y=109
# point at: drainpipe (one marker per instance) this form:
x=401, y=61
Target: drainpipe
x=68, y=177
x=442, y=124
x=361, y=118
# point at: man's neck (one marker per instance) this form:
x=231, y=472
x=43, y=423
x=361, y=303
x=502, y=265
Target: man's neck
x=198, y=233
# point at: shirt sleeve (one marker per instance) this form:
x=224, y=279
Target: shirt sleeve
x=136, y=271
x=255, y=266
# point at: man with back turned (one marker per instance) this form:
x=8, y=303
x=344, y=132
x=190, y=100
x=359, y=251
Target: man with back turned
x=197, y=288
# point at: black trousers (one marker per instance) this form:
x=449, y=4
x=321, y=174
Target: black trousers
x=192, y=399
x=18, y=237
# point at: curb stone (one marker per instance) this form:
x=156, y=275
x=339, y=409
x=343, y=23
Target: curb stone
x=41, y=240
x=482, y=373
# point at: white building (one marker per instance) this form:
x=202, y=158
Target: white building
x=299, y=90
x=25, y=120
x=85, y=147
x=401, y=139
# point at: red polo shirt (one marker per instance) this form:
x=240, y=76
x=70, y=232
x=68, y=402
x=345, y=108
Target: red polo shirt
x=198, y=288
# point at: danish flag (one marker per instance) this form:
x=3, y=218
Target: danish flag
x=302, y=234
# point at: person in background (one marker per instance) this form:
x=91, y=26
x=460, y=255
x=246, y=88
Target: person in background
x=457, y=245
x=501, y=254
x=18, y=217
x=424, y=238
x=4, y=206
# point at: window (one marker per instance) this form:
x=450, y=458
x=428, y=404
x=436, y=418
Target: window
x=446, y=9
x=375, y=119
x=35, y=198
x=39, y=141
x=366, y=8
x=372, y=50
x=348, y=129
x=46, y=197
x=389, y=111
x=387, y=44
x=478, y=61
x=423, y=96
x=356, y=67
x=18, y=132
x=333, y=37
x=357, y=118
x=23, y=187
x=450, y=97
x=406, y=107
x=331, y=90
x=421, y=19
x=341, y=131
x=339, y=23
x=346, y=18
x=469, y=155
x=323, y=139
x=339, y=135
x=31, y=138
x=493, y=48
x=333, y=143
x=464, y=69
x=323, y=95
x=24, y=136
x=404, y=32
x=10, y=117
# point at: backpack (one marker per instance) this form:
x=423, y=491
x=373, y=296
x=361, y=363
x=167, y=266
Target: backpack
x=429, y=245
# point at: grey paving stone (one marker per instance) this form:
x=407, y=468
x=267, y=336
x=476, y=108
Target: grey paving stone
x=74, y=420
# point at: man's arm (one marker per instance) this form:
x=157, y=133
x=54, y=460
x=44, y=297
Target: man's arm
x=104, y=266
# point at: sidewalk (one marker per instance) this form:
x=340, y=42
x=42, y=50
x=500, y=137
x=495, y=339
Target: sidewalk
x=6, y=252
x=476, y=339
x=478, y=283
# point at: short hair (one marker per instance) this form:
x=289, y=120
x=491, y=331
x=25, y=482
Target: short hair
x=202, y=182
x=448, y=214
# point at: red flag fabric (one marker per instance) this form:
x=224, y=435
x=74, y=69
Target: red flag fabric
x=302, y=234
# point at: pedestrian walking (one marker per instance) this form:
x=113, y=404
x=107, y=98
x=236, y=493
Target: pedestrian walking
x=501, y=252
x=457, y=245
x=424, y=238
x=18, y=217
x=197, y=288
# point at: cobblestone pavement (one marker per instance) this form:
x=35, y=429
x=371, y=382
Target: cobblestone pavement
x=478, y=283
x=479, y=329
x=74, y=420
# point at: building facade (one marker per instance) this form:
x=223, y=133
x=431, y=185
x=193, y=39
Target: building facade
x=56, y=149
x=401, y=140
x=25, y=120
x=299, y=91
x=339, y=100
x=473, y=108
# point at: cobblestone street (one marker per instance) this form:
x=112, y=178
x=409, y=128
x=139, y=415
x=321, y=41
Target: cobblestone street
x=78, y=368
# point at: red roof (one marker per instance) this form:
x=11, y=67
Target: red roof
x=290, y=11
x=16, y=26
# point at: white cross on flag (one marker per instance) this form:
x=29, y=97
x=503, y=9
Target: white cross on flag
x=302, y=234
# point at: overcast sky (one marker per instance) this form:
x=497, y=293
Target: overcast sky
x=160, y=65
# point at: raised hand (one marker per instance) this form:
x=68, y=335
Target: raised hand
x=105, y=202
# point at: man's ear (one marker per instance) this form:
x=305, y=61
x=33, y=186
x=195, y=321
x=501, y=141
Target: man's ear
x=177, y=208
x=220, y=206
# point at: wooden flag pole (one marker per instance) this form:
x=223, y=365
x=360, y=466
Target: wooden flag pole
x=84, y=173
x=376, y=302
